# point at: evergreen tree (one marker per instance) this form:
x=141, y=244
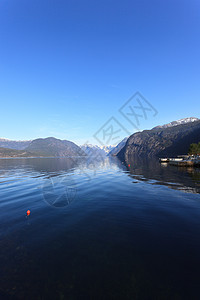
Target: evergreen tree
x=194, y=149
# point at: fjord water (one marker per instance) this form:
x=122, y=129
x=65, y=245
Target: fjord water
x=98, y=229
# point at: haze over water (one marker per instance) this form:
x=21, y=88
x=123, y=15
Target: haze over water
x=98, y=229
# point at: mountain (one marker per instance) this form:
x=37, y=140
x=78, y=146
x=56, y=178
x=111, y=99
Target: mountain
x=178, y=122
x=118, y=148
x=94, y=150
x=107, y=149
x=43, y=147
x=54, y=147
x=5, y=152
x=162, y=141
x=18, y=145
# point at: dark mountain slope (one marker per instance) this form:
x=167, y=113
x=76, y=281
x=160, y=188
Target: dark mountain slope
x=117, y=149
x=170, y=141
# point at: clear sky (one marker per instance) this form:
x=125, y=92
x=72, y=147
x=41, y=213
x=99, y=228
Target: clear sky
x=66, y=67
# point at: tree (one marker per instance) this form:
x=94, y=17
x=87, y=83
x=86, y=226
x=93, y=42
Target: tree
x=194, y=149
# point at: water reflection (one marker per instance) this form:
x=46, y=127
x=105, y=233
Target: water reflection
x=56, y=166
x=150, y=170
x=139, y=168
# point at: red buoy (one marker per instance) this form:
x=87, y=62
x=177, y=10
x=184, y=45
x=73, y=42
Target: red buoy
x=129, y=165
x=28, y=212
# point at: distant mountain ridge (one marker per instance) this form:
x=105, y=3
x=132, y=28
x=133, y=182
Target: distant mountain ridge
x=22, y=145
x=95, y=150
x=47, y=147
x=162, y=141
x=11, y=144
x=54, y=147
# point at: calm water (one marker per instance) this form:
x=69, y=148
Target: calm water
x=98, y=230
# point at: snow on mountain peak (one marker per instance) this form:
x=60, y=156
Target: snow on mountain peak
x=94, y=149
x=178, y=122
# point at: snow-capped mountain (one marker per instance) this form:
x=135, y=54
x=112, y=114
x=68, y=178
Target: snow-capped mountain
x=107, y=149
x=94, y=150
x=178, y=122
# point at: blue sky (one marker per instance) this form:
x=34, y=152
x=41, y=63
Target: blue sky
x=66, y=67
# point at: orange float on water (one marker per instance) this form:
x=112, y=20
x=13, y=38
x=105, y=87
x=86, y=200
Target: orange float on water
x=28, y=212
